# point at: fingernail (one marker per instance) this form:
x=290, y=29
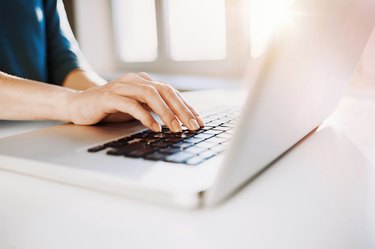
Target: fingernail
x=176, y=126
x=193, y=123
x=156, y=127
x=200, y=121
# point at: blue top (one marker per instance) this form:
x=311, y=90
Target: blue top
x=36, y=41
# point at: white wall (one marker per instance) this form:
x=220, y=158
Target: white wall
x=94, y=29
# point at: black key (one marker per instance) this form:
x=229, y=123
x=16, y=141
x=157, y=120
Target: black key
x=166, y=131
x=157, y=135
x=97, y=148
x=156, y=156
x=126, y=149
x=195, y=160
x=115, y=144
x=115, y=152
x=178, y=157
x=150, y=141
x=169, y=135
x=183, y=135
x=160, y=144
x=140, y=152
x=193, y=132
x=172, y=140
x=182, y=145
x=124, y=140
x=170, y=150
x=140, y=135
x=134, y=140
x=187, y=135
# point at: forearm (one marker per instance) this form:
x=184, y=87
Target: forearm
x=132, y=95
x=22, y=99
x=81, y=80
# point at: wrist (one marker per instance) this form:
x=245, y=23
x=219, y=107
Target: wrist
x=63, y=110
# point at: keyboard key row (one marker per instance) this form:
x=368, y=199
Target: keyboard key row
x=190, y=147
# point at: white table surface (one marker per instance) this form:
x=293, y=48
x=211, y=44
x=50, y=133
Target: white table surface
x=320, y=195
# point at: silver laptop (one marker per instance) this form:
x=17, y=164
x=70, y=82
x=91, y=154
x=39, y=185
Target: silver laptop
x=298, y=82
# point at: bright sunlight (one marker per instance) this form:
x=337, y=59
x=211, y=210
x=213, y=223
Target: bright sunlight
x=265, y=17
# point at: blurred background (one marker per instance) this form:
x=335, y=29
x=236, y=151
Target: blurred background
x=193, y=44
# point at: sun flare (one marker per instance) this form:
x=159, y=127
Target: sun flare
x=266, y=16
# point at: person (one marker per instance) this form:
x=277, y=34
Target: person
x=44, y=76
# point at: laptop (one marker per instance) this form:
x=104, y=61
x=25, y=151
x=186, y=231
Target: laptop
x=297, y=84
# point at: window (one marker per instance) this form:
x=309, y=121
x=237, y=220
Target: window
x=180, y=36
x=135, y=30
x=197, y=29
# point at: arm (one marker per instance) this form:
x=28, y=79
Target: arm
x=132, y=94
x=83, y=79
x=22, y=99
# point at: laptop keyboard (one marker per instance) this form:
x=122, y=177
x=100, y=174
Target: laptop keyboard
x=186, y=147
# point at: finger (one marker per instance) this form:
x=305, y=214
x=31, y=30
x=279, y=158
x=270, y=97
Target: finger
x=196, y=114
x=132, y=78
x=149, y=95
x=145, y=76
x=178, y=107
x=169, y=96
x=135, y=109
x=129, y=86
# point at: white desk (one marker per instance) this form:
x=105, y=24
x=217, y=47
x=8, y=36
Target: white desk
x=320, y=195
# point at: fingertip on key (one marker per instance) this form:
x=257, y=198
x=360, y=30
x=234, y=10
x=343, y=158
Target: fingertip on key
x=176, y=126
x=194, y=124
x=156, y=127
x=200, y=121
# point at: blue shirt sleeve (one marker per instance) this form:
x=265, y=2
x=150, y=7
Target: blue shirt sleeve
x=63, y=53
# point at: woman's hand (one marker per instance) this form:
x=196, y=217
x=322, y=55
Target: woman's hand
x=133, y=95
